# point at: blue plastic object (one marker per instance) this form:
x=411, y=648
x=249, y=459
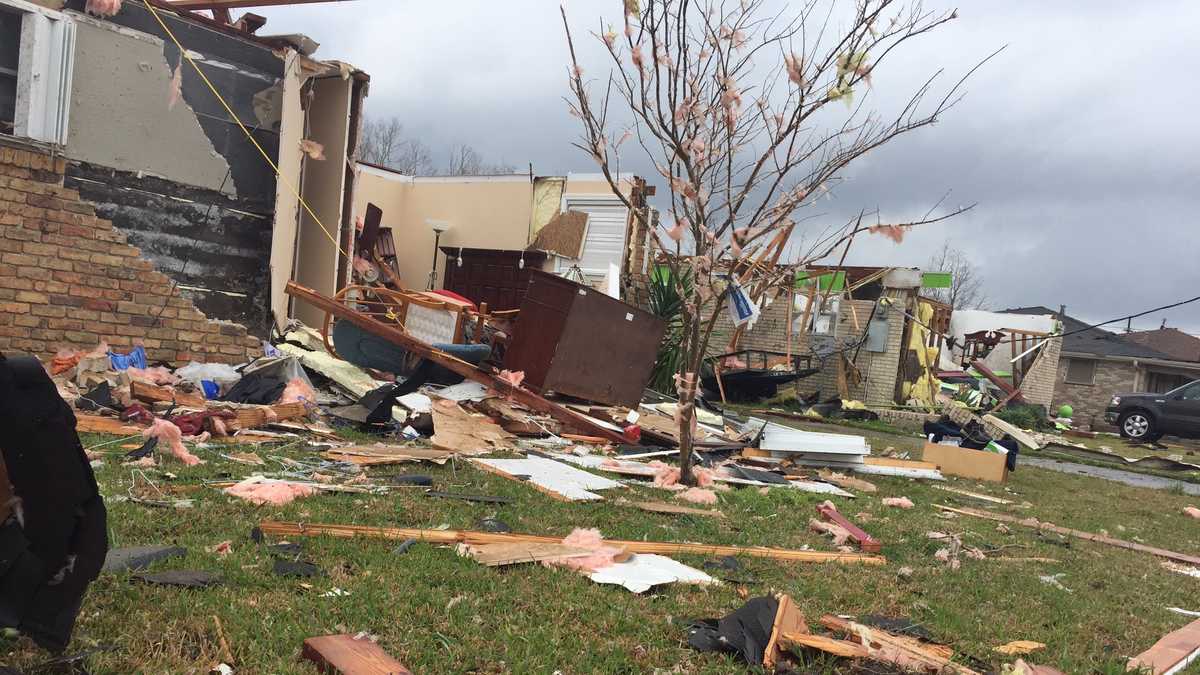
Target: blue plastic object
x=211, y=389
x=135, y=358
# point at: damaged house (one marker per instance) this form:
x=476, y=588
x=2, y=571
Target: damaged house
x=141, y=200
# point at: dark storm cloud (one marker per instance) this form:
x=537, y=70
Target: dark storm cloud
x=1078, y=143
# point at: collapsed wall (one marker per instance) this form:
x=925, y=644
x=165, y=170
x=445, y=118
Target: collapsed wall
x=68, y=279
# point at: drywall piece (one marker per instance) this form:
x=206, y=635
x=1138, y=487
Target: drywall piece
x=119, y=113
x=323, y=190
x=978, y=464
x=416, y=402
x=645, y=570
x=285, y=233
x=554, y=478
x=1171, y=654
x=463, y=391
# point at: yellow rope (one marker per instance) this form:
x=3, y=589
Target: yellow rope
x=275, y=167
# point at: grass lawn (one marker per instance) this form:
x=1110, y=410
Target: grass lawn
x=441, y=613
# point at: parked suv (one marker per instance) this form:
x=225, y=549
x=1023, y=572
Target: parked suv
x=1147, y=417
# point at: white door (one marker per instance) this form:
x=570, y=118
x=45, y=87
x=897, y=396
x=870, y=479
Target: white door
x=604, y=243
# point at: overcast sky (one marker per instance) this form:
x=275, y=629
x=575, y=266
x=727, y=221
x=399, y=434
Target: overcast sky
x=1080, y=142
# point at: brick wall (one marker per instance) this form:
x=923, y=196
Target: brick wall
x=878, y=369
x=1039, y=383
x=1089, y=401
x=68, y=279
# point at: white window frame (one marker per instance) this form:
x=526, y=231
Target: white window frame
x=45, y=67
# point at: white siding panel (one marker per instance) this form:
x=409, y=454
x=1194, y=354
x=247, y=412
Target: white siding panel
x=605, y=240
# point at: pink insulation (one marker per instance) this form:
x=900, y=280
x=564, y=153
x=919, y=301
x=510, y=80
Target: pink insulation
x=103, y=7
x=898, y=502
x=590, y=539
x=157, y=375
x=298, y=391
x=698, y=496
x=667, y=476
x=275, y=493
x=168, y=433
x=1192, y=511
x=840, y=534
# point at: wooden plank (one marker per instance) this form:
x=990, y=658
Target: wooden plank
x=344, y=655
x=152, y=393
x=251, y=418
x=393, y=334
x=1079, y=534
x=283, y=529
x=843, y=648
x=865, y=541
x=974, y=495
x=898, y=649
x=366, y=455
x=977, y=464
x=1172, y=653
x=676, y=509
x=96, y=424
x=848, y=482
x=995, y=379
x=898, y=463
x=788, y=620
x=496, y=555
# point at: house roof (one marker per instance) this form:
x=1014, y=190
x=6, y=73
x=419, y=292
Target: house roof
x=1085, y=340
x=1178, y=344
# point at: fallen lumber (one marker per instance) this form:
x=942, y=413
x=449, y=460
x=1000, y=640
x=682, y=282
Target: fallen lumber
x=973, y=495
x=1172, y=653
x=283, y=529
x=901, y=650
x=343, y=655
x=397, y=336
x=676, y=509
x=843, y=648
x=152, y=393
x=1078, y=534
x=788, y=620
x=250, y=418
x=368, y=455
x=865, y=541
x=95, y=424
x=1014, y=394
x=497, y=555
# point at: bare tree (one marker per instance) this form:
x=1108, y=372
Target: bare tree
x=383, y=143
x=742, y=114
x=966, y=286
x=466, y=161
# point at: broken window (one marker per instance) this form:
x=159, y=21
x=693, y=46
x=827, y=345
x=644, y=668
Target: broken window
x=37, y=50
x=10, y=52
x=1081, y=371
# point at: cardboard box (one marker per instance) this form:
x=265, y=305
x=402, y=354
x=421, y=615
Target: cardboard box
x=979, y=464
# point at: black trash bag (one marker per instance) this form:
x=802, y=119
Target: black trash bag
x=256, y=388
x=49, y=555
x=745, y=632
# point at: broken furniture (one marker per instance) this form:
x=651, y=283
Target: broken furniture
x=493, y=277
x=424, y=318
x=979, y=464
x=752, y=374
x=573, y=340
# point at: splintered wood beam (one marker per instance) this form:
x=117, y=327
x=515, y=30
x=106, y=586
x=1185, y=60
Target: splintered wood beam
x=197, y=5
x=281, y=529
x=344, y=655
x=1068, y=532
x=397, y=336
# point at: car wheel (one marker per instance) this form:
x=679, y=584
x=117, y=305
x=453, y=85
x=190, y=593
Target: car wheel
x=1136, y=426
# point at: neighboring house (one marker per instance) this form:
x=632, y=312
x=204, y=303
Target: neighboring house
x=1171, y=341
x=136, y=208
x=1096, y=363
x=504, y=213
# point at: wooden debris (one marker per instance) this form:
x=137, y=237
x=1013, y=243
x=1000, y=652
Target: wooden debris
x=343, y=655
x=225, y=652
x=257, y=416
x=459, y=432
x=897, y=463
x=978, y=464
x=495, y=555
x=907, y=652
x=788, y=620
x=1018, y=435
x=843, y=648
x=1172, y=653
x=848, y=482
x=96, y=424
x=1019, y=647
x=974, y=495
x=397, y=336
x=1079, y=534
x=382, y=455
x=283, y=529
x=676, y=509
x=865, y=541
x=246, y=458
x=152, y=393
